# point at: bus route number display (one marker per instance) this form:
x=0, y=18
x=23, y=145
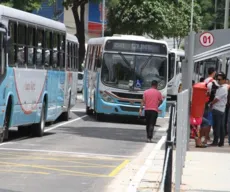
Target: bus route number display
x=136, y=46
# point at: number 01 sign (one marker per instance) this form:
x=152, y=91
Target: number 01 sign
x=206, y=39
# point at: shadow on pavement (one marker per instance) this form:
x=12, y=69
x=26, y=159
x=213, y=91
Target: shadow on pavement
x=14, y=134
x=6, y=190
x=111, y=133
x=113, y=119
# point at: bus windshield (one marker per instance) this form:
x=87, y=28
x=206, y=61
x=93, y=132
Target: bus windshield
x=130, y=71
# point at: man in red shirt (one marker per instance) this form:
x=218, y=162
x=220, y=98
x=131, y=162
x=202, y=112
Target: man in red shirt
x=152, y=99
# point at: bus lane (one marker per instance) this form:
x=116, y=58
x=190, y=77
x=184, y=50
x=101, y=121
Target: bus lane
x=79, y=154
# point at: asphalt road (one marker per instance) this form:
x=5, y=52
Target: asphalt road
x=81, y=155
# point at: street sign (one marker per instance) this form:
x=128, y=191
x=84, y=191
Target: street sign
x=206, y=39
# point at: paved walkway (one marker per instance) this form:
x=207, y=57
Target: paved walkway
x=207, y=169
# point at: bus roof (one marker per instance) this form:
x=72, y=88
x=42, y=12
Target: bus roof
x=179, y=52
x=102, y=40
x=71, y=37
x=18, y=15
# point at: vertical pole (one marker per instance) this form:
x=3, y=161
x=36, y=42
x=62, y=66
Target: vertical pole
x=215, y=13
x=226, y=18
x=103, y=18
x=226, y=15
x=192, y=12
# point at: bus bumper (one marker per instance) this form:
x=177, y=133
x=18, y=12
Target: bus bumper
x=121, y=109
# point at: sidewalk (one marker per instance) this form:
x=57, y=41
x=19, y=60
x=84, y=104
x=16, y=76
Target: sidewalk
x=152, y=178
x=207, y=169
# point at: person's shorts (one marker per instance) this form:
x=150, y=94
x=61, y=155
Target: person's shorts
x=205, y=123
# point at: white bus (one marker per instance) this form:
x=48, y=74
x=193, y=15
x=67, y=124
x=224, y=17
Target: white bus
x=201, y=68
x=176, y=56
x=36, y=85
x=119, y=69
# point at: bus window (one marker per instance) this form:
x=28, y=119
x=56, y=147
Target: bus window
x=21, y=44
x=171, y=67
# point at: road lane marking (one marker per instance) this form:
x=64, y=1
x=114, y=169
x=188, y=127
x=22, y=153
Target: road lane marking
x=61, y=124
x=96, y=155
x=56, y=169
x=29, y=172
x=148, y=162
x=80, y=157
x=119, y=168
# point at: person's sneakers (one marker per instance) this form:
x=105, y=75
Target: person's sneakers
x=148, y=141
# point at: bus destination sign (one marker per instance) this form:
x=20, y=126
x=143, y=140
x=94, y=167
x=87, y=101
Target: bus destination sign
x=135, y=46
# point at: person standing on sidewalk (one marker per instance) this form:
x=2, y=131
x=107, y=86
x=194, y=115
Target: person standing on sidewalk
x=218, y=110
x=152, y=99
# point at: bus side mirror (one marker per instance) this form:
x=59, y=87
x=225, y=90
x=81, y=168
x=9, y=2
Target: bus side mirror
x=179, y=65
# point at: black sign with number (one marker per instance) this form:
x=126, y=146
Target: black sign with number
x=136, y=46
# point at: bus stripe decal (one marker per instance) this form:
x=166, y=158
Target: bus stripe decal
x=27, y=112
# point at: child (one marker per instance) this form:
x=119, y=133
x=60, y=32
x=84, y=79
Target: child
x=199, y=128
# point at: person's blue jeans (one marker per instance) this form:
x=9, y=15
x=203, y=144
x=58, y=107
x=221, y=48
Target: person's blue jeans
x=218, y=127
x=228, y=127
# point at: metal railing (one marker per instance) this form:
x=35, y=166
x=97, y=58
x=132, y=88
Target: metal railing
x=178, y=133
x=182, y=135
x=166, y=180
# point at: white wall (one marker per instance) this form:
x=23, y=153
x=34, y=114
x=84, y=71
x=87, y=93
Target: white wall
x=70, y=23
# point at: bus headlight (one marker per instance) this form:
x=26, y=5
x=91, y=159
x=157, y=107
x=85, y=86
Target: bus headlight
x=161, y=84
x=106, y=97
x=170, y=84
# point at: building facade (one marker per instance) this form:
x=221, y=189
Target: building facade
x=93, y=17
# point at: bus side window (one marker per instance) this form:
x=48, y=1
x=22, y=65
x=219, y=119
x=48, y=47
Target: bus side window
x=96, y=58
x=87, y=58
x=55, y=50
x=63, y=51
x=21, y=44
x=12, y=43
x=31, y=46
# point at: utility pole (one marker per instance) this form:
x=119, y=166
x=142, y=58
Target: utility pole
x=226, y=18
x=226, y=15
x=215, y=14
x=103, y=18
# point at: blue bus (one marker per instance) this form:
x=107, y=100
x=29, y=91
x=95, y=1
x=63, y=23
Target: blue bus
x=119, y=69
x=38, y=71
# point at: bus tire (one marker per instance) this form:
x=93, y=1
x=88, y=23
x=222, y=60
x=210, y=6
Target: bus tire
x=66, y=114
x=39, y=128
x=4, y=132
x=88, y=110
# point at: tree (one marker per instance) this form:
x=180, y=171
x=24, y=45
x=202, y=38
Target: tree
x=157, y=18
x=180, y=18
x=25, y=5
x=139, y=17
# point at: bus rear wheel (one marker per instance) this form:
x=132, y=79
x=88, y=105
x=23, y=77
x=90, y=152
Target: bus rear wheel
x=40, y=127
x=6, y=124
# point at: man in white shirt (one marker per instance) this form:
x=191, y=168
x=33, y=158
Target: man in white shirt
x=218, y=106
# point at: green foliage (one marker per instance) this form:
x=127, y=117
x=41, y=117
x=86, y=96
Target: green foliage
x=157, y=18
x=25, y=5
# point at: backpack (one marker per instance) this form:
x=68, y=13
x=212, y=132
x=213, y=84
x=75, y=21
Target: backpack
x=213, y=92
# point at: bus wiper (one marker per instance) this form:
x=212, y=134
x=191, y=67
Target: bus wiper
x=125, y=60
x=146, y=62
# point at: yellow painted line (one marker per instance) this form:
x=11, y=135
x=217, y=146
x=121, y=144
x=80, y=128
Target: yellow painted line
x=55, y=169
x=29, y=172
x=59, y=160
x=118, y=168
x=62, y=156
x=56, y=166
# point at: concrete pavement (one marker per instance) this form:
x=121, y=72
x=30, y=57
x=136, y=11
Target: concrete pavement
x=207, y=169
x=79, y=155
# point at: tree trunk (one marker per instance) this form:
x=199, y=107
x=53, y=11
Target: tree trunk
x=80, y=31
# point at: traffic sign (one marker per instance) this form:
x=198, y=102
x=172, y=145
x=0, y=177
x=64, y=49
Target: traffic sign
x=206, y=39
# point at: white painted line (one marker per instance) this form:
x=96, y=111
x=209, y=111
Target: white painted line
x=61, y=124
x=77, y=110
x=67, y=152
x=149, y=161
